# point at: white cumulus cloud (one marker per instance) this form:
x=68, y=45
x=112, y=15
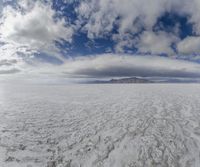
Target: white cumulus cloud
x=156, y=43
x=98, y=19
x=190, y=45
x=36, y=28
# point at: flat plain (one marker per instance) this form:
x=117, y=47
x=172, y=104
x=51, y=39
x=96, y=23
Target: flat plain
x=108, y=125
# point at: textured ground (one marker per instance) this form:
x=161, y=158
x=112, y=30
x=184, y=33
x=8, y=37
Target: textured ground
x=148, y=125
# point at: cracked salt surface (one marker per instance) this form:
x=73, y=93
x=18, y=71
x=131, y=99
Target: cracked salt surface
x=145, y=125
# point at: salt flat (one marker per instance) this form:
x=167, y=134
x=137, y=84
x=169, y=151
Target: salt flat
x=144, y=125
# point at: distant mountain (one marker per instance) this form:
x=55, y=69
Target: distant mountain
x=130, y=80
x=125, y=80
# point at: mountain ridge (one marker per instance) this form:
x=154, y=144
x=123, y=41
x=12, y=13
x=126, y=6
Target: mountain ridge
x=129, y=80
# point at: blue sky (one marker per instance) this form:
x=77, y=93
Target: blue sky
x=100, y=38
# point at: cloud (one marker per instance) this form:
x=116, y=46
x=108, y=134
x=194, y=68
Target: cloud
x=99, y=18
x=29, y=29
x=112, y=65
x=1, y=6
x=156, y=43
x=9, y=71
x=6, y=62
x=130, y=15
x=130, y=18
x=190, y=45
x=190, y=8
x=35, y=26
x=12, y=55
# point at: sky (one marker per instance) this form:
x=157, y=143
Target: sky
x=100, y=38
